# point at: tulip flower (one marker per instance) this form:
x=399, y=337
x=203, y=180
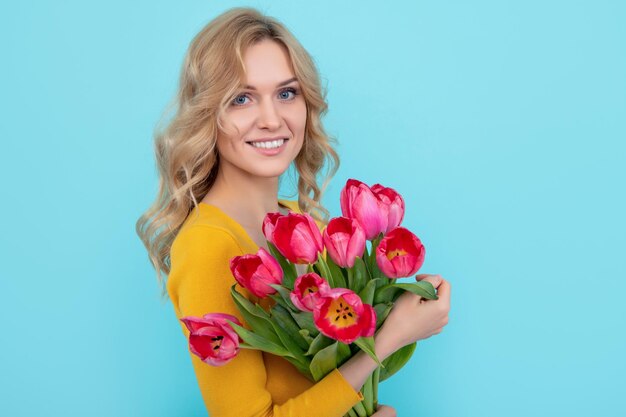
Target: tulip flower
x=307, y=289
x=344, y=239
x=295, y=235
x=212, y=339
x=269, y=222
x=359, y=202
x=394, y=202
x=256, y=272
x=400, y=253
x=341, y=315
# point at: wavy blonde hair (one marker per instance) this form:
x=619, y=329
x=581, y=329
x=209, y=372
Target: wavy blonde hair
x=186, y=154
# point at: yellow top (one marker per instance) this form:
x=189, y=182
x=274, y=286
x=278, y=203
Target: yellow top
x=254, y=383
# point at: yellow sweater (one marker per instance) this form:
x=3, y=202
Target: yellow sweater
x=254, y=383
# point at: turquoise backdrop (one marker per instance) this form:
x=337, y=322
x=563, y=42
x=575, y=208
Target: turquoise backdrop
x=501, y=123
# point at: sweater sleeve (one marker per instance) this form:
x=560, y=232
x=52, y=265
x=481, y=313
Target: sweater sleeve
x=199, y=283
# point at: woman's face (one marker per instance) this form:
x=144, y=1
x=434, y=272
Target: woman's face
x=267, y=111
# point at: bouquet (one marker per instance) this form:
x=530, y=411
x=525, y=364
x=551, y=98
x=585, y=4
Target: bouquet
x=322, y=318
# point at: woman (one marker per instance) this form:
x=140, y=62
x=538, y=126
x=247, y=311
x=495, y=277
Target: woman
x=249, y=105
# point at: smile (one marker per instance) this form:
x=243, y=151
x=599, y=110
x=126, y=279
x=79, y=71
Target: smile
x=268, y=144
x=269, y=148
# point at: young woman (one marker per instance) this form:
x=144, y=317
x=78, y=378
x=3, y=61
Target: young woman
x=249, y=105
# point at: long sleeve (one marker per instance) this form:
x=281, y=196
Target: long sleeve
x=199, y=283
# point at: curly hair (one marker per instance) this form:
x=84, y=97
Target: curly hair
x=185, y=148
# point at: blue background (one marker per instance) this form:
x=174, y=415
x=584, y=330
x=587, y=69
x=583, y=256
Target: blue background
x=501, y=123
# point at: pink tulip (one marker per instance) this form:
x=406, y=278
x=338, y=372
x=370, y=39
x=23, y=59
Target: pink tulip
x=359, y=202
x=256, y=272
x=269, y=222
x=295, y=235
x=212, y=339
x=344, y=239
x=400, y=253
x=394, y=202
x=307, y=290
x=341, y=315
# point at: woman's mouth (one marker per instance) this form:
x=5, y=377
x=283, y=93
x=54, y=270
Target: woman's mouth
x=272, y=147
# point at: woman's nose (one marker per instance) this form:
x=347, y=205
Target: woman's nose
x=269, y=116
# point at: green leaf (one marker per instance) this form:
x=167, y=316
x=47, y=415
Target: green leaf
x=372, y=264
x=255, y=316
x=284, y=320
x=423, y=288
x=289, y=343
x=367, y=293
x=283, y=294
x=302, y=368
x=367, y=345
x=382, y=311
x=396, y=361
x=361, y=276
x=325, y=271
x=306, y=336
x=305, y=321
x=337, y=273
x=246, y=304
x=392, y=291
x=324, y=361
x=343, y=353
x=289, y=269
x=259, y=342
x=319, y=343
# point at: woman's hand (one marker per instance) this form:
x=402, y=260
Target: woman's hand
x=413, y=318
x=385, y=411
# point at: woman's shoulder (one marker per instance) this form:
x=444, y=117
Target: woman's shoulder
x=291, y=205
x=204, y=229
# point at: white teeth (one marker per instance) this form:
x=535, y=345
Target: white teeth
x=268, y=145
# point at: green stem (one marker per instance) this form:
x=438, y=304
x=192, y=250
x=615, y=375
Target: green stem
x=368, y=399
x=375, y=381
x=360, y=410
x=352, y=413
x=325, y=272
x=351, y=278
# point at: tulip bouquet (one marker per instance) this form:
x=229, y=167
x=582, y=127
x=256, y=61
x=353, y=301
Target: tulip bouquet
x=320, y=319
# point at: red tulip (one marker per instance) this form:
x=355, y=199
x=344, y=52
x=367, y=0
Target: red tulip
x=269, y=222
x=344, y=239
x=295, y=235
x=212, y=339
x=341, y=315
x=359, y=202
x=400, y=253
x=307, y=290
x=394, y=202
x=257, y=272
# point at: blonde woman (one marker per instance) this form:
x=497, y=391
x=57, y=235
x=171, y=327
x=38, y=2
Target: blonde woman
x=249, y=105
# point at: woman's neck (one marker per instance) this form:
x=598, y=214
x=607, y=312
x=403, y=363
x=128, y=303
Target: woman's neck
x=244, y=199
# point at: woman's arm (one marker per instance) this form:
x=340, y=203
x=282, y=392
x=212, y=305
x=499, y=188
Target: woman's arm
x=199, y=283
x=409, y=321
x=360, y=366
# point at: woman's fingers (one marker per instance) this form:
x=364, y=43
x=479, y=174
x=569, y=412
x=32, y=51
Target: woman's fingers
x=385, y=411
x=433, y=279
x=443, y=291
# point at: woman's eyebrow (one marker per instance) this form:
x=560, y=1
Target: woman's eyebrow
x=249, y=87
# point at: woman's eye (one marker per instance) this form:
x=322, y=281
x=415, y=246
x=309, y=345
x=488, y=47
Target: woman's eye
x=239, y=100
x=286, y=94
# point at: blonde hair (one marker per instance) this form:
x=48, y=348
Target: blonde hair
x=186, y=154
